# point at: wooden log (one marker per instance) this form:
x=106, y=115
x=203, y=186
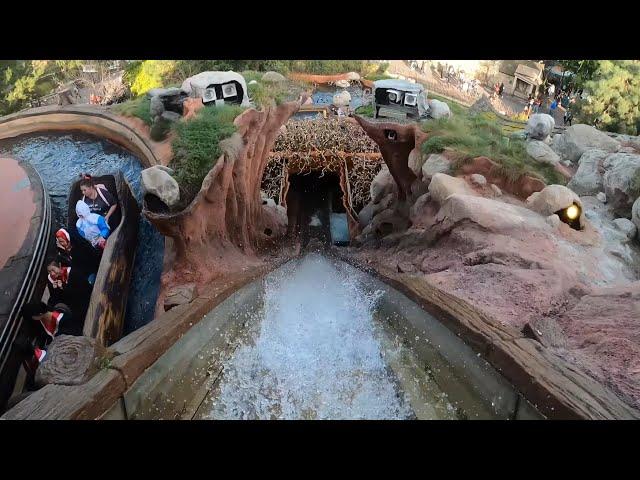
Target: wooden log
x=71, y=402
x=71, y=360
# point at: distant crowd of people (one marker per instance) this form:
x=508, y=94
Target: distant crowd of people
x=71, y=274
x=564, y=98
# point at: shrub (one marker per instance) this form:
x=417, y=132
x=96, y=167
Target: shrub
x=471, y=136
x=365, y=111
x=196, y=146
x=137, y=107
x=263, y=94
x=160, y=129
x=148, y=74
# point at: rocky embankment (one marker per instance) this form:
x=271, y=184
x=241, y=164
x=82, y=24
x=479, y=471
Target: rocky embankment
x=505, y=249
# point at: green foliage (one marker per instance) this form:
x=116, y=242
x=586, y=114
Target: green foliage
x=160, y=129
x=250, y=75
x=377, y=76
x=329, y=67
x=471, y=136
x=365, y=111
x=148, y=74
x=614, y=97
x=263, y=94
x=196, y=146
x=582, y=69
x=382, y=68
x=137, y=107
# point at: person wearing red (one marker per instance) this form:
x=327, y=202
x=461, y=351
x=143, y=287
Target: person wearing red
x=63, y=246
x=52, y=321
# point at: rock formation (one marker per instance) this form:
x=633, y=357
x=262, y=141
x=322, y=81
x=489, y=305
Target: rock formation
x=579, y=138
x=539, y=126
x=273, y=77
x=438, y=109
x=396, y=143
x=227, y=225
x=157, y=180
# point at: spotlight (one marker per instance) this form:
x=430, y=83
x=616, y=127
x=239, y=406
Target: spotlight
x=571, y=216
x=573, y=212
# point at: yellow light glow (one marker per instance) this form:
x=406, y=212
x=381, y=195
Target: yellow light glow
x=573, y=212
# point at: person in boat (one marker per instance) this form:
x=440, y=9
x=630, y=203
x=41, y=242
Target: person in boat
x=32, y=356
x=52, y=321
x=57, y=281
x=98, y=198
x=91, y=226
x=63, y=247
x=72, y=252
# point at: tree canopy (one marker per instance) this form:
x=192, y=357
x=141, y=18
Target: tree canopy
x=613, y=96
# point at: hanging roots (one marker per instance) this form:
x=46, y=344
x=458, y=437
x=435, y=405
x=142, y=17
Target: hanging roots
x=361, y=174
x=325, y=146
x=272, y=178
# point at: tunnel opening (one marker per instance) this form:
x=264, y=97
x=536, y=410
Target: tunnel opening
x=313, y=199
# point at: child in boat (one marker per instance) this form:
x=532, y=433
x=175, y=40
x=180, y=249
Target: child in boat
x=63, y=246
x=91, y=226
x=57, y=281
x=97, y=197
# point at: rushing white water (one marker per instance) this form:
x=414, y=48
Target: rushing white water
x=316, y=355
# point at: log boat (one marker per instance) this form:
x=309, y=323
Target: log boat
x=104, y=320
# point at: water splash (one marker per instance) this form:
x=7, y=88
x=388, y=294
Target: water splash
x=316, y=355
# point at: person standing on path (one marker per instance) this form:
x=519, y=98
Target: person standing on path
x=552, y=90
x=500, y=90
x=553, y=107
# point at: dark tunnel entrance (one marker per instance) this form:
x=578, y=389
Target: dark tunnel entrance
x=311, y=199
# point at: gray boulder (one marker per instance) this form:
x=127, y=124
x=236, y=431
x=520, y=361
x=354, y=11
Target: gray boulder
x=156, y=107
x=164, y=92
x=435, y=163
x=539, y=126
x=620, y=170
x=170, y=116
x=588, y=178
x=552, y=199
x=541, y=152
x=273, y=77
x=438, y=109
x=371, y=209
x=157, y=181
x=579, y=138
x=382, y=184
x=442, y=186
x=626, y=226
x=342, y=99
x=478, y=179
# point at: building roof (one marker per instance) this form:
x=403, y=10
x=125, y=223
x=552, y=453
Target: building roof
x=403, y=85
x=529, y=74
